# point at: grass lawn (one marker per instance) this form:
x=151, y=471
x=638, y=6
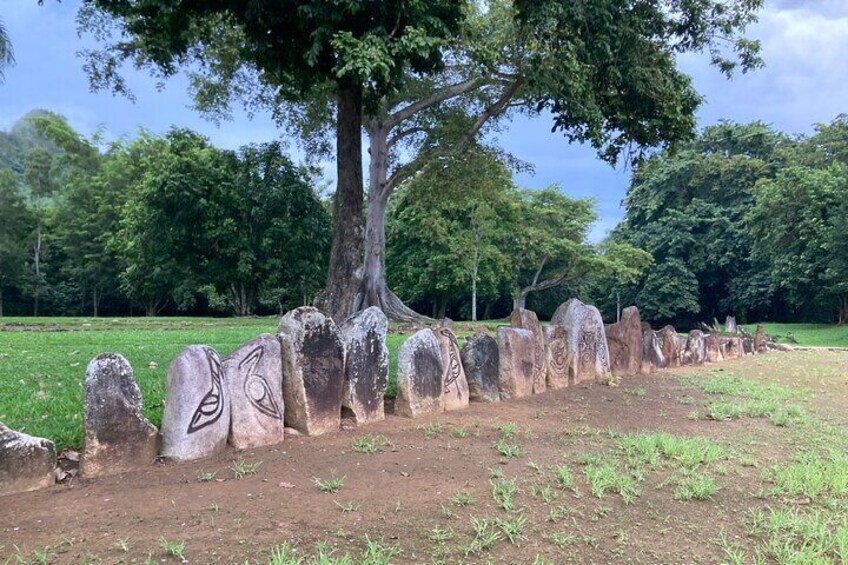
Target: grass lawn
x=43, y=361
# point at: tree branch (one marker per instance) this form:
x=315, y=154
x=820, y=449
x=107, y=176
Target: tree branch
x=444, y=94
x=404, y=133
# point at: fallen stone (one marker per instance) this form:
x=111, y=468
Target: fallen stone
x=587, y=341
x=784, y=347
x=196, y=420
x=454, y=383
x=652, y=355
x=712, y=349
x=670, y=346
x=116, y=437
x=527, y=320
x=366, y=364
x=254, y=379
x=516, y=351
x=313, y=371
x=559, y=357
x=481, y=362
x=624, y=341
x=695, y=352
x=419, y=379
x=26, y=462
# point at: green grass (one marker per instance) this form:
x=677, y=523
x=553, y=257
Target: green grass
x=816, y=335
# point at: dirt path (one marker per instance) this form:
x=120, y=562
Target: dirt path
x=400, y=494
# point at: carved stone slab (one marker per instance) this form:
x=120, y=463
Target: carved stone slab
x=516, y=348
x=652, y=355
x=196, y=420
x=420, y=373
x=670, y=345
x=712, y=349
x=254, y=377
x=587, y=341
x=116, y=437
x=454, y=382
x=481, y=362
x=559, y=357
x=731, y=347
x=366, y=364
x=26, y=462
x=624, y=340
x=527, y=320
x=313, y=371
x=695, y=352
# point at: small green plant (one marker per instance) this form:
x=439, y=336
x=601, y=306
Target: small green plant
x=369, y=443
x=214, y=508
x=460, y=432
x=205, y=477
x=349, y=507
x=638, y=391
x=503, y=493
x=329, y=485
x=508, y=429
x=377, y=553
x=447, y=513
x=461, y=498
x=495, y=473
x=430, y=430
x=564, y=478
x=440, y=536
x=42, y=555
x=173, y=548
x=486, y=535
x=507, y=449
x=535, y=466
x=562, y=540
x=696, y=486
x=241, y=469
x=543, y=492
x=123, y=544
x=686, y=400
x=558, y=513
x=512, y=529
x=284, y=555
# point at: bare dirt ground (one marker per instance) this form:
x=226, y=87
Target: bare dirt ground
x=402, y=494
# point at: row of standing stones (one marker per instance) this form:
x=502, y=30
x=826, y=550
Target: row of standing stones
x=312, y=371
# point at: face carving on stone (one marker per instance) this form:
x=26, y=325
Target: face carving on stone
x=256, y=388
x=212, y=405
x=454, y=368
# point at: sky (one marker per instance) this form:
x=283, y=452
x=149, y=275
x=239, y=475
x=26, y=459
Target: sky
x=805, y=81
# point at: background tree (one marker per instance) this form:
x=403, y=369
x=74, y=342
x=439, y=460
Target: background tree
x=15, y=229
x=7, y=54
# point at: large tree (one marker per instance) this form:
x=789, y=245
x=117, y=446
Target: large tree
x=606, y=71
x=14, y=235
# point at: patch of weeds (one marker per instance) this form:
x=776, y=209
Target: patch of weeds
x=600, y=512
x=460, y=432
x=748, y=461
x=508, y=429
x=369, y=443
x=440, y=536
x=173, y=548
x=507, y=449
x=803, y=534
x=512, y=529
x=538, y=413
x=606, y=477
x=461, y=498
x=495, y=473
x=733, y=551
x=588, y=458
x=580, y=431
x=564, y=478
x=535, y=466
x=486, y=535
x=558, y=513
x=284, y=555
x=811, y=476
x=638, y=391
x=447, y=513
x=503, y=493
x=329, y=485
x=349, y=507
x=790, y=415
x=686, y=400
x=123, y=544
x=696, y=486
x=688, y=452
x=562, y=540
x=430, y=430
x=377, y=553
x=543, y=492
x=241, y=469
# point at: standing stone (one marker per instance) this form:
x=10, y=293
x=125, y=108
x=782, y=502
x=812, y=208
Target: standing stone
x=196, y=420
x=313, y=371
x=712, y=350
x=652, y=355
x=527, y=320
x=670, y=345
x=731, y=347
x=516, y=348
x=587, y=341
x=748, y=346
x=420, y=373
x=366, y=364
x=624, y=340
x=454, y=383
x=481, y=362
x=26, y=462
x=730, y=324
x=254, y=378
x=695, y=352
x=759, y=339
x=559, y=357
x=116, y=437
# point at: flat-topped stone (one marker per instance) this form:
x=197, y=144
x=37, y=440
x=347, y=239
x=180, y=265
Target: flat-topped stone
x=587, y=341
x=26, y=462
x=527, y=320
x=420, y=373
x=254, y=378
x=454, y=382
x=695, y=352
x=196, y=419
x=516, y=350
x=559, y=357
x=312, y=352
x=366, y=364
x=116, y=437
x=712, y=349
x=624, y=340
x=481, y=362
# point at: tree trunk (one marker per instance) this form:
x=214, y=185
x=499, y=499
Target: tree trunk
x=443, y=308
x=1, y=302
x=37, y=263
x=843, y=311
x=487, y=312
x=375, y=291
x=344, y=277
x=95, y=300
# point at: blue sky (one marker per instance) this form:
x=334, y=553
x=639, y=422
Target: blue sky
x=805, y=81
